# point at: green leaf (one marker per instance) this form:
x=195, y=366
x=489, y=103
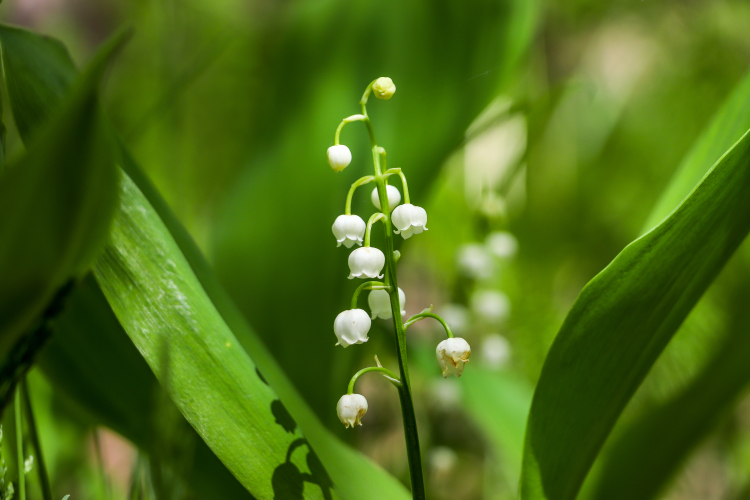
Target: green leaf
x=649, y=451
x=39, y=72
x=621, y=322
x=56, y=202
x=173, y=323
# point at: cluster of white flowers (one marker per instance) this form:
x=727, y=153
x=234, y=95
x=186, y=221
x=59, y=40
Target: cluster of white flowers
x=366, y=262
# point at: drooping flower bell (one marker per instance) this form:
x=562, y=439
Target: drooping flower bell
x=409, y=219
x=348, y=230
x=351, y=327
x=451, y=355
x=394, y=197
x=351, y=408
x=383, y=88
x=380, y=304
x=366, y=262
x=339, y=157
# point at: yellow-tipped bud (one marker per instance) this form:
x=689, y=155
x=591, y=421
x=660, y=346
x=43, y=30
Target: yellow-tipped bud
x=383, y=88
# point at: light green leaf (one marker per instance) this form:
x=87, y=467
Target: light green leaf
x=56, y=202
x=173, y=323
x=621, y=322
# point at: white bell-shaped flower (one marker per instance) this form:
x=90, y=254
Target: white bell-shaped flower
x=348, y=230
x=366, y=262
x=351, y=327
x=409, y=219
x=380, y=304
x=339, y=157
x=351, y=408
x=452, y=355
x=394, y=197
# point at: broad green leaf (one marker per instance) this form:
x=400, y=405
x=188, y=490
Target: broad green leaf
x=646, y=455
x=56, y=202
x=649, y=451
x=38, y=72
x=162, y=306
x=621, y=322
x=89, y=381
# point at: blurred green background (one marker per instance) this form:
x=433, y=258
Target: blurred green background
x=538, y=136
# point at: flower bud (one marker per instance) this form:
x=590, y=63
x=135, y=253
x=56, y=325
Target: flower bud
x=451, y=355
x=339, y=157
x=366, y=262
x=348, y=230
x=351, y=408
x=383, y=88
x=409, y=219
x=394, y=197
x=351, y=327
x=380, y=304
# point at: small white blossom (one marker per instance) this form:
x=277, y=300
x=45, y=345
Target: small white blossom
x=495, y=351
x=502, y=244
x=442, y=460
x=474, y=261
x=351, y=327
x=339, y=157
x=348, y=230
x=409, y=219
x=366, y=262
x=380, y=303
x=451, y=355
x=383, y=88
x=351, y=408
x=490, y=305
x=394, y=197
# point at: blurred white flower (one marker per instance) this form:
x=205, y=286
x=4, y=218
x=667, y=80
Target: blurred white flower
x=502, y=244
x=351, y=327
x=366, y=262
x=339, y=157
x=452, y=354
x=351, y=408
x=495, y=351
x=490, y=305
x=442, y=460
x=380, y=303
x=446, y=393
x=474, y=261
x=457, y=317
x=394, y=197
x=348, y=230
x=409, y=219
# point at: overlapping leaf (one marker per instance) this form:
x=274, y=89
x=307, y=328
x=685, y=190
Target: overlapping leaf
x=621, y=322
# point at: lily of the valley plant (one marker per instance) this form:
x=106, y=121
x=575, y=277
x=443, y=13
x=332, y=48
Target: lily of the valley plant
x=386, y=300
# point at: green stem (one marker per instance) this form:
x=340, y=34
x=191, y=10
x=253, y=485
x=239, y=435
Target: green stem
x=419, y=316
x=19, y=446
x=373, y=219
x=398, y=171
x=353, y=118
x=36, y=443
x=389, y=374
x=359, y=182
x=404, y=392
x=368, y=285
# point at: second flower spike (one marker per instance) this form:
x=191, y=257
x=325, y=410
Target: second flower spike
x=409, y=219
x=366, y=262
x=380, y=304
x=348, y=230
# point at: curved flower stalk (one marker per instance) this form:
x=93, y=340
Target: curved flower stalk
x=386, y=299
